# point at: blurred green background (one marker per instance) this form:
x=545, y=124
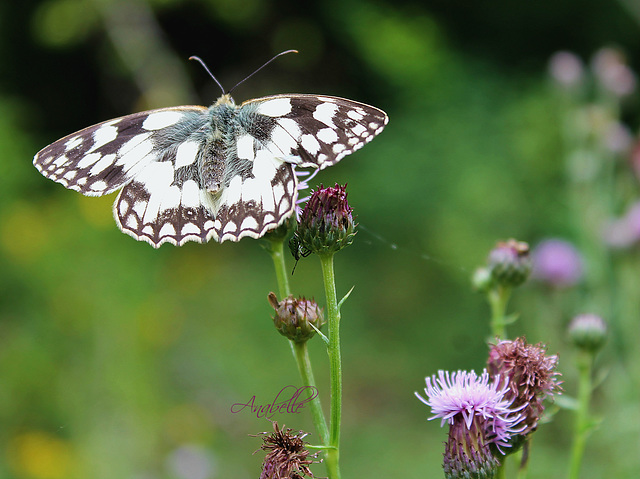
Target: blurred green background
x=121, y=361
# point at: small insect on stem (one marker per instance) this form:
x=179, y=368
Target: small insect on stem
x=199, y=60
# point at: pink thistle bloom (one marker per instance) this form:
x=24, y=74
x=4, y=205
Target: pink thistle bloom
x=557, y=263
x=464, y=397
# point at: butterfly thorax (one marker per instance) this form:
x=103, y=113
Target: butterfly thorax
x=213, y=159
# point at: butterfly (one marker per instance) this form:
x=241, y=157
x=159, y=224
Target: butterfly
x=192, y=173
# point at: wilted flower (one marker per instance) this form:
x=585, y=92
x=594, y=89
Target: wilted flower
x=295, y=316
x=588, y=332
x=326, y=223
x=566, y=69
x=509, y=262
x=529, y=376
x=479, y=416
x=287, y=457
x=557, y=262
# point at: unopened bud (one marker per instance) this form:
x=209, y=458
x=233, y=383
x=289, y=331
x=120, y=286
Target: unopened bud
x=509, y=263
x=295, y=316
x=326, y=223
x=588, y=332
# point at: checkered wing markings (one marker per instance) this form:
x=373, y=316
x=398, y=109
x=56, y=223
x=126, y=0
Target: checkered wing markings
x=171, y=214
x=151, y=156
x=102, y=158
x=254, y=205
x=317, y=131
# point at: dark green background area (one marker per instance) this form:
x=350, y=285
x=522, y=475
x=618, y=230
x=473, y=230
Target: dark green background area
x=114, y=357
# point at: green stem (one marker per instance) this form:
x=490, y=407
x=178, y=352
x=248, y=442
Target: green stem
x=501, y=472
x=276, y=250
x=582, y=426
x=498, y=299
x=335, y=362
x=299, y=350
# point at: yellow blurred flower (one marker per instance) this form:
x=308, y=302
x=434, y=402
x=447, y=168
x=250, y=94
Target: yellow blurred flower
x=40, y=455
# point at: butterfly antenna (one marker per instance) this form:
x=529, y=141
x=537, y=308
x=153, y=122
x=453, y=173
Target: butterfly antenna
x=278, y=55
x=199, y=60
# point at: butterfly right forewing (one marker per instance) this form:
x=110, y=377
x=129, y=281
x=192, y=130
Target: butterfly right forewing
x=316, y=130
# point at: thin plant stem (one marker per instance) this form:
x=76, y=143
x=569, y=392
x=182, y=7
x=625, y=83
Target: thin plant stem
x=335, y=362
x=582, y=424
x=300, y=350
x=276, y=250
x=498, y=299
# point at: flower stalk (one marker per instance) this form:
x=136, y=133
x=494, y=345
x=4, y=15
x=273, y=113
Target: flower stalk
x=335, y=364
x=583, y=423
x=299, y=350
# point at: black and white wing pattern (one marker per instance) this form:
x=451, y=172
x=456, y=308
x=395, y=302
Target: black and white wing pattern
x=193, y=173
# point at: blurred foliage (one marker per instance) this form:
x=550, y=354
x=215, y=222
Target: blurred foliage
x=118, y=360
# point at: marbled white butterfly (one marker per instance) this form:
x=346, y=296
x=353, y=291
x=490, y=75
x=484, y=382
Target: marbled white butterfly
x=192, y=173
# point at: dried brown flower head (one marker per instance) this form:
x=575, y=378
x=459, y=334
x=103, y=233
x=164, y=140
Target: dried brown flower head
x=531, y=374
x=287, y=456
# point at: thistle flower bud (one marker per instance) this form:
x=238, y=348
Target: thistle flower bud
x=294, y=317
x=530, y=375
x=588, y=332
x=509, y=263
x=326, y=223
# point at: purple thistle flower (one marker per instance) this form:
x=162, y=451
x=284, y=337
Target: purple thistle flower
x=557, y=262
x=463, y=396
x=481, y=420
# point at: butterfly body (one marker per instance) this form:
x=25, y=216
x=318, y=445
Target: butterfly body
x=192, y=173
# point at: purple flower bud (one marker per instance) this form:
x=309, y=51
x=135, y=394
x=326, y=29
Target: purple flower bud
x=613, y=73
x=326, y=223
x=509, y=263
x=566, y=69
x=625, y=231
x=557, y=262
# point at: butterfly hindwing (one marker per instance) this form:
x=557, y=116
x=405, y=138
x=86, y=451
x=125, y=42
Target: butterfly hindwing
x=194, y=173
